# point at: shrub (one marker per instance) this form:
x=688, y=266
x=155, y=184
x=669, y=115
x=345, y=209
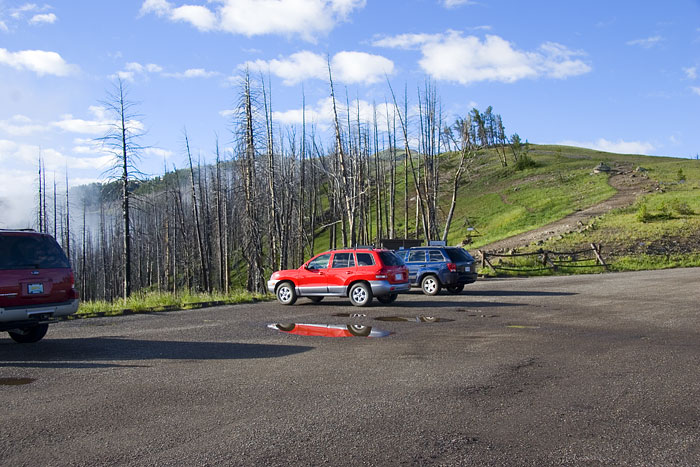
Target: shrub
x=643, y=213
x=680, y=176
x=525, y=162
x=682, y=208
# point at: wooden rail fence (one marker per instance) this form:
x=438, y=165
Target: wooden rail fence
x=548, y=260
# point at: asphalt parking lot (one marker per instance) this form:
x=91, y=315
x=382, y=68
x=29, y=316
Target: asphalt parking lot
x=587, y=370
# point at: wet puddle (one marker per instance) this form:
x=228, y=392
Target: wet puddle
x=15, y=381
x=329, y=330
x=414, y=319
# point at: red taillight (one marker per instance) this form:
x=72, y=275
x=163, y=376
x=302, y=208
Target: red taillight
x=381, y=274
x=452, y=267
x=72, y=279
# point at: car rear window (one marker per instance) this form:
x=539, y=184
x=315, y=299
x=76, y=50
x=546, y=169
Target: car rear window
x=435, y=256
x=31, y=251
x=458, y=255
x=390, y=259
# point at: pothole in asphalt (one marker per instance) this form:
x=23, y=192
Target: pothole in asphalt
x=329, y=330
x=15, y=381
x=475, y=313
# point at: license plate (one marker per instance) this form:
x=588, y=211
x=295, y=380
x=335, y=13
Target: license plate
x=399, y=277
x=35, y=288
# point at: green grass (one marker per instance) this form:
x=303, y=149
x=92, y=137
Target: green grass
x=158, y=301
x=500, y=202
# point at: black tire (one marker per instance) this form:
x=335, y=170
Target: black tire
x=286, y=294
x=455, y=289
x=360, y=294
x=359, y=330
x=430, y=285
x=286, y=327
x=387, y=299
x=30, y=335
x=316, y=299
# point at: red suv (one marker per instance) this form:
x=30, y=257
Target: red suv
x=36, y=284
x=360, y=274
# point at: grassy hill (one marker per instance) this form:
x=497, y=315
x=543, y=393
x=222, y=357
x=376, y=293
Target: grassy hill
x=660, y=228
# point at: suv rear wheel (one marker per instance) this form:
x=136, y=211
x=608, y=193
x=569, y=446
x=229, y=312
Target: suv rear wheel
x=29, y=335
x=430, y=285
x=360, y=294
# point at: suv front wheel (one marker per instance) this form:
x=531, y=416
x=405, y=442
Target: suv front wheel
x=29, y=335
x=360, y=294
x=286, y=294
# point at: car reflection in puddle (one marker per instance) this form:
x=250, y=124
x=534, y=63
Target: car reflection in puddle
x=329, y=330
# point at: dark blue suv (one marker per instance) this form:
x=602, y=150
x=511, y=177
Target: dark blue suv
x=435, y=267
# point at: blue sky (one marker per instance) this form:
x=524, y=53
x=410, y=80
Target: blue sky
x=622, y=76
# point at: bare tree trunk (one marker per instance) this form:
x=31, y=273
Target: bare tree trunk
x=195, y=213
x=349, y=210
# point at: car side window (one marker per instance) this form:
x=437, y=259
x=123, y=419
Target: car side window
x=343, y=260
x=436, y=256
x=320, y=262
x=416, y=256
x=365, y=259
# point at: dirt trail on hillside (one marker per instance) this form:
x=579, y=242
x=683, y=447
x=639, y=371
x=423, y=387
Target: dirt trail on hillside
x=629, y=185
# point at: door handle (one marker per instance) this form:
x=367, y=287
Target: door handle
x=348, y=272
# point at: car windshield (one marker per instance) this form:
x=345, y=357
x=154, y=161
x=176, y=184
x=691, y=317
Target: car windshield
x=458, y=255
x=31, y=251
x=390, y=259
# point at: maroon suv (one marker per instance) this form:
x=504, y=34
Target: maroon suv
x=36, y=284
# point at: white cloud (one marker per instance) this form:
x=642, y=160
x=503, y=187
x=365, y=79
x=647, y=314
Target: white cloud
x=20, y=125
x=691, y=72
x=456, y=3
x=347, y=67
x=360, y=67
x=3, y=26
x=453, y=57
x=39, y=61
x=199, y=16
x=97, y=126
x=646, y=43
x=306, y=18
x=619, y=146
x=159, y=152
x=192, y=73
x=296, y=68
x=133, y=69
x=322, y=113
x=695, y=90
x=47, y=18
